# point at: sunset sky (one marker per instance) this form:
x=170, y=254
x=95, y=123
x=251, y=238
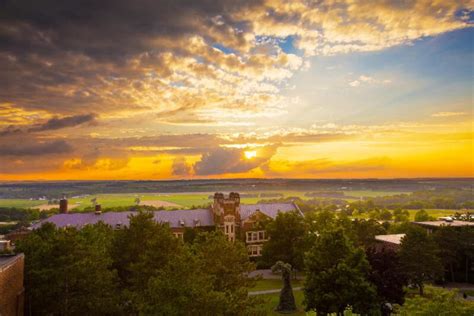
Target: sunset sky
x=120, y=89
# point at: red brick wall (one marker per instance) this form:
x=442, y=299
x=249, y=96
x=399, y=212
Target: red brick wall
x=11, y=287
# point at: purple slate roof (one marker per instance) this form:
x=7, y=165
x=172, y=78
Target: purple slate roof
x=269, y=209
x=113, y=219
x=174, y=218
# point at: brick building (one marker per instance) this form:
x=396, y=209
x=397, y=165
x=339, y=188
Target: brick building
x=237, y=221
x=11, y=285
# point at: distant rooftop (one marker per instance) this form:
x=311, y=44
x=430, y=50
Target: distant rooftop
x=445, y=223
x=178, y=218
x=269, y=209
x=393, y=239
x=190, y=218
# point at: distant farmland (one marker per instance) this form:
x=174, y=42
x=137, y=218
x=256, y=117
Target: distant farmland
x=176, y=200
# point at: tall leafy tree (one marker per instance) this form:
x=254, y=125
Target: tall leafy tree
x=139, y=251
x=386, y=275
x=336, y=276
x=67, y=272
x=287, y=241
x=419, y=258
x=228, y=265
x=437, y=302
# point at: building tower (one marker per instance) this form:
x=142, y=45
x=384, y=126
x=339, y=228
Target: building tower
x=63, y=206
x=226, y=213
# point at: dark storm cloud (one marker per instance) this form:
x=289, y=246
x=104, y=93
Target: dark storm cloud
x=50, y=44
x=64, y=122
x=52, y=124
x=35, y=148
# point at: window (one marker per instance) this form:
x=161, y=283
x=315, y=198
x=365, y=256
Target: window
x=231, y=229
x=179, y=235
x=226, y=229
x=256, y=236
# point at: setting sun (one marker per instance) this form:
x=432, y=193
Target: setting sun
x=250, y=154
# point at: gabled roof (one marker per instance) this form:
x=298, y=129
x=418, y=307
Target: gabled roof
x=393, y=239
x=269, y=209
x=202, y=216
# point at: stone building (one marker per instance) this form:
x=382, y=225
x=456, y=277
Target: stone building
x=237, y=221
x=11, y=285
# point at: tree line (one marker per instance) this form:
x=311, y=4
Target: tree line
x=141, y=269
x=343, y=268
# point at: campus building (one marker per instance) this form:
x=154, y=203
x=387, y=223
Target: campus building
x=11, y=285
x=236, y=220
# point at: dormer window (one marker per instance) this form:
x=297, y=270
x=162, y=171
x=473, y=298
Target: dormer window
x=181, y=222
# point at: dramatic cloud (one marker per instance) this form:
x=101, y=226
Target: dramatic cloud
x=52, y=124
x=231, y=160
x=180, y=167
x=190, y=61
x=38, y=148
x=192, y=85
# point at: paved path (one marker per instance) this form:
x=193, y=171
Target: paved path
x=299, y=288
x=268, y=274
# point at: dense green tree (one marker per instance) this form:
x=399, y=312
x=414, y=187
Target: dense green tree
x=364, y=232
x=449, y=244
x=419, y=258
x=67, y=272
x=437, y=302
x=422, y=216
x=336, y=276
x=182, y=287
x=228, y=266
x=139, y=251
x=386, y=275
x=466, y=238
x=288, y=240
x=385, y=215
x=401, y=215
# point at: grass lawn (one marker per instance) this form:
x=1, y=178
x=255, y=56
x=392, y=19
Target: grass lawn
x=271, y=284
x=271, y=301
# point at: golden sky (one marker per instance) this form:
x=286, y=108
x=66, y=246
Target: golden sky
x=271, y=88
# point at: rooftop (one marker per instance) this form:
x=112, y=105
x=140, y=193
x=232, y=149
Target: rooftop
x=269, y=209
x=445, y=223
x=191, y=218
x=8, y=260
x=179, y=218
x=393, y=239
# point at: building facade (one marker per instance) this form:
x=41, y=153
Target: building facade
x=245, y=222
x=11, y=285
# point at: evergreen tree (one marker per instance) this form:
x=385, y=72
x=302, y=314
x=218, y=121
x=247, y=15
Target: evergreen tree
x=67, y=272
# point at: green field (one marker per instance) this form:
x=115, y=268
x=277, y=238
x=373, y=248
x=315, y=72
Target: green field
x=21, y=203
x=432, y=212
x=184, y=200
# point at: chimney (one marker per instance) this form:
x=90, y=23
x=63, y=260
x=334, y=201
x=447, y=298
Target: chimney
x=98, y=209
x=63, y=206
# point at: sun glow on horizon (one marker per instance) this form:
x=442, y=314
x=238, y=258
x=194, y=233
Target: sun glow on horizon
x=250, y=154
